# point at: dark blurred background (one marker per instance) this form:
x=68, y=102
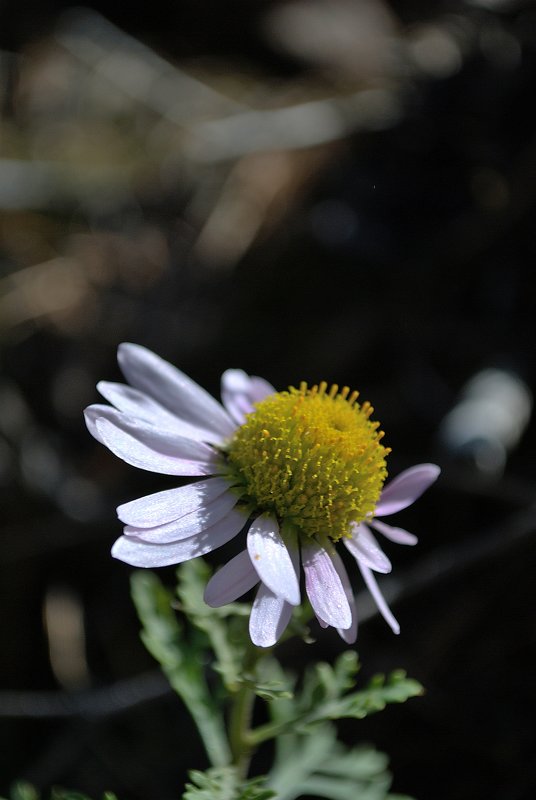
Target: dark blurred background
x=312, y=189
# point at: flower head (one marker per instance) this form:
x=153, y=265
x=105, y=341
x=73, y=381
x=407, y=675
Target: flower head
x=295, y=471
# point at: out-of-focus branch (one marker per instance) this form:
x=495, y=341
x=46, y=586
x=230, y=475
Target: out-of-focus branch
x=113, y=699
x=445, y=563
x=442, y=564
x=137, y=70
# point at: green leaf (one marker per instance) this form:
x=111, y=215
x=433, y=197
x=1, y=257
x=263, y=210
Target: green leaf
x=395, y=688
x=225, y=784
x=317, y=764
x=181, y=658
x=224, y=627
x=326, y=695
x=23, y=791
x=269, y=690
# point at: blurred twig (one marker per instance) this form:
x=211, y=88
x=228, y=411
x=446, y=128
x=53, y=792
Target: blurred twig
x=103, y=702
x=443, y=564
x=447, y=562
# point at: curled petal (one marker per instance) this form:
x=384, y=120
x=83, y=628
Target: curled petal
x=196, y=521
x=269, y=617
x=173, y=389
x=92, y=414
x=406, y=488
x=363, y=546
x=324, y=587
x=139, y=405
x=142, y=554
x=150, y=448
x=398, y=535
x=162, y=507
x=276, y=565
x=231, y=581
x=379, y=599
x=240, y=391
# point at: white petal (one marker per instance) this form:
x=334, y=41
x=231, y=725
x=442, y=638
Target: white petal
x=195, y=522
x=231, y=581
x=239, y=392
x=324, y=587
x=141, y=554
x=173, y=389
x=406, y=488
x=152, y=449
x=398, y=535
x=272, y=560
x=363, y=546
x=139, y=405
x=162, y=507
x=269, y=617
x=349, y=635
x=379, y=599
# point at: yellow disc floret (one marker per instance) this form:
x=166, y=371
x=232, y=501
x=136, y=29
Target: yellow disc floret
x=311, y=456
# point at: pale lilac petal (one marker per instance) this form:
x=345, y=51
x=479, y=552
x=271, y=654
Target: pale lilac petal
x=173, y=389
x=231, y=581
x=269, y=617
x=349, y=635
x=398, y=535
x=260, y=388
x=162, y=507
x=142, y=554
x=139, y=405
x=406, y=488
x=363, y=546
x=152, y=449
x=324, y=587
x=195, y=522
x=379, y=599
x=239, y=392
x=272, y=559
x=92, y=414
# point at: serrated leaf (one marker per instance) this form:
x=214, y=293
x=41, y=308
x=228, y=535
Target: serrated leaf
x=23, y=791
x=227, y=638
x=225, y=784
x=380, y=692
x=325, y=695
x=317, y=764
x=268, y=690
x=181, y=659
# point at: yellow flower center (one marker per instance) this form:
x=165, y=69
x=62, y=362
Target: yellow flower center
x=311, y=456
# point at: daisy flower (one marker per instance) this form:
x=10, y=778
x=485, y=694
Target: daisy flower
x=294, y=473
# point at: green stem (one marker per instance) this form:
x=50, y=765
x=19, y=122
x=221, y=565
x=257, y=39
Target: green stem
x=270, y=730
x=242, y=748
